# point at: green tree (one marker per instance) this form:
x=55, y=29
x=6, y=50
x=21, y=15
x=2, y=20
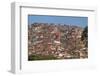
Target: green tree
x=84, y=37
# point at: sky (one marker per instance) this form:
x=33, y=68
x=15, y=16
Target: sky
x=71, y=20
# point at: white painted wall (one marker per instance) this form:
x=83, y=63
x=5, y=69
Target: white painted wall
x=5, y=33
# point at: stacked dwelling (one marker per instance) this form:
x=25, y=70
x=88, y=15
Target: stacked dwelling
x=61, y=41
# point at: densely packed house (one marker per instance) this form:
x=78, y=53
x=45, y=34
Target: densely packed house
x=59, y=40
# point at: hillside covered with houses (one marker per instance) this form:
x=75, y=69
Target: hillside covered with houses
x=47, y=41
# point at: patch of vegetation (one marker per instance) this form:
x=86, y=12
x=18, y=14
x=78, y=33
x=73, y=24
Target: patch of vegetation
x=41, y=57
x=85, y=36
